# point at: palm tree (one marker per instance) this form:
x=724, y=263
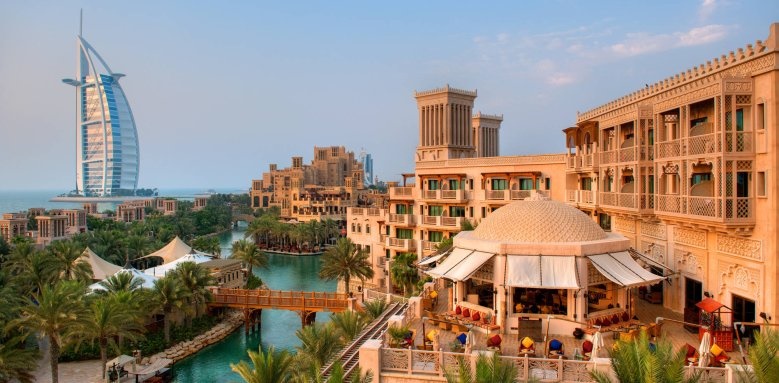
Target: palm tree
x=195, y=279
x=344, y=261
x=208, y=245
x=763, y=356
x=121, y=282
x=492, y=369
x=318, y=343
x=137, y=246
x=348, y=324
x=69, y=259
x=249, y=254
x=267, y=367
x=634, y=362
x=111, y=318
x=330, y=229
x=16, y=361
x=170, y=295
x=33, y=269
x=375, y=307
x=403, y=272
x=57, y=313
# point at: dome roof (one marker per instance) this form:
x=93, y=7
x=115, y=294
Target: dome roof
x=538, y=221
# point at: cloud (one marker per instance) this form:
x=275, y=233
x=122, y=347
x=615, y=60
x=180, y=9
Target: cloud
x=559, y=79
x=706, y=9
x=641, y=43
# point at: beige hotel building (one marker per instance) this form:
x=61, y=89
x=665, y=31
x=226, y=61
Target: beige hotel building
x=684, y=169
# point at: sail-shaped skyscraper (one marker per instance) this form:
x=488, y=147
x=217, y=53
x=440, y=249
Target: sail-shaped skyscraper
x=107, y=151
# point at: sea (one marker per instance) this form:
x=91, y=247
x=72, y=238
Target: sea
x=12, y=201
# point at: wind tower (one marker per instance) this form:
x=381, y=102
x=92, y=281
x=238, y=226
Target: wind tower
x=445, y=130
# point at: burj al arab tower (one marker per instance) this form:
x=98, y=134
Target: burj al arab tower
x=107, y=152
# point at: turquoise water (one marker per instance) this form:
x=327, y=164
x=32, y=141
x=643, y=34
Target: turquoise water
x=212, y=364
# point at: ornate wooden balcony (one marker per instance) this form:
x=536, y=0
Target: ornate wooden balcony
x=587, y=197
x=727, y=210
x=704, y=144
x=430, y=246
x=628, y=201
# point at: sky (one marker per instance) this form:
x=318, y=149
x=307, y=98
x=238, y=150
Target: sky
x=219, y=90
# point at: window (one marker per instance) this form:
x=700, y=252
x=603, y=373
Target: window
x=605, y=221
x=539, y=301
x=742, y=184
x=470, y=212
x=525, y=184
x=435, y=210
x=457, y=211
x=401, y=209
x=498, y=184
x=607, y=183
x=586, y=183
x=368, y=249
x=700, y=177
x=432, y=185
x=435, y=236
x=483, y=212
x=548, y=183
x=404, y=233
x=367, y=228
x=454, y=184
x=761, y=192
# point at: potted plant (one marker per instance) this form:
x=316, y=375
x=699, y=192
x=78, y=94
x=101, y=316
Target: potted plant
x=397, y=335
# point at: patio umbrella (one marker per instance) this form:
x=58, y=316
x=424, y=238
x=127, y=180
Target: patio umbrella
x=470, y=342
x=597, y=344
x=703, y=350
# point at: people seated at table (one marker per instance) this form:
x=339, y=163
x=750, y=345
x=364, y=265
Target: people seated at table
x=555, y=348
x=527, y=347
x=587, y=350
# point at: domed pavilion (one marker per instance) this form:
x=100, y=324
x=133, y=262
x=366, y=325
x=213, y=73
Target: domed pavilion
x=536, y=258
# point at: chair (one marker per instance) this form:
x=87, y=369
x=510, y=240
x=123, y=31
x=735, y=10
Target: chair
x=494, y=342
x=691, y=353
x=587, y=350
x=462, y=338
x=555, y=348
x=527, y=347
x=718, y=356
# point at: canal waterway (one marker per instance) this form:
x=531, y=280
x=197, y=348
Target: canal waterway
x=212, y=364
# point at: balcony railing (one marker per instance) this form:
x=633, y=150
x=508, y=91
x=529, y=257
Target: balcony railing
x=719, y=209
x=457, y=195
x=402, y=219
x=451, y=221
x=733, y=142
x=580, y=196
x=624, y=200
x=432, y=194
x=495, y=194
x=405, y=192
x=512, y=195
x=401, y=244
x=430, y=246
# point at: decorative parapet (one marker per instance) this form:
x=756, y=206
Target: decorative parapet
x=485, y=116
x=493, y=161
x=446, y=89
x=721, y=64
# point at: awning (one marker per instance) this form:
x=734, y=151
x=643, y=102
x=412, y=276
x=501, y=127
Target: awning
x=430, y=259
x=468, y=266
x=455, y=257
x=542, y=271
x=621, y=269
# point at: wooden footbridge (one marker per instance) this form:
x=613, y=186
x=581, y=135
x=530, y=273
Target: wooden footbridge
x=305, y=303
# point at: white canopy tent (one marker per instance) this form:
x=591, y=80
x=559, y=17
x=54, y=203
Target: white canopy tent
x=623, y=270
x=174, y=250
x=160, y=271
x=542, y=271
x=101, y=268
x=148, y=280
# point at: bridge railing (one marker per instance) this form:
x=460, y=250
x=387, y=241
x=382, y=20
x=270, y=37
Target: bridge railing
x=294, y=300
